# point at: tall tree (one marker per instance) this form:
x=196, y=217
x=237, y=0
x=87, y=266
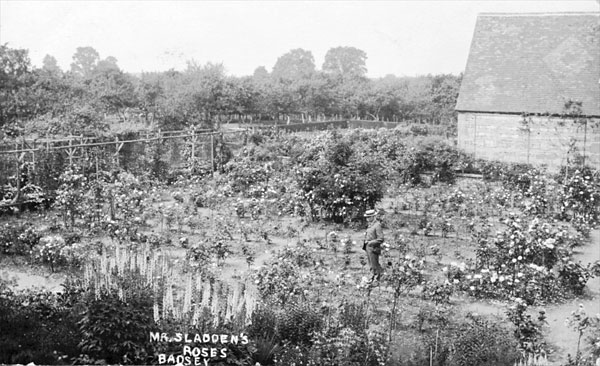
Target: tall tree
x=51, y=65
x=260, y=73
x=108, y=65
x=85, y=60
x=346, y=62
x=112, y=87
x=295, y=65
x=14, y=63
x=149, y=88
x=444, y=95
x=15, y=78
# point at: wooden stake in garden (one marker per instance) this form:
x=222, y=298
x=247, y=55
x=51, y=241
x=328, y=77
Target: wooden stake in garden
x=70, y=153
x=212, y=154
x=194, y=141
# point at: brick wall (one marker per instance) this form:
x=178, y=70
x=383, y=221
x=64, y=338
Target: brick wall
x=504, y=137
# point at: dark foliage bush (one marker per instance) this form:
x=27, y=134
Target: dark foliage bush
x=481, y=342
x=115, y=328
x=244, y=173
x=297, y=322
x=343, y=183
x=284, y=332
x=38, y=327
x=580, y=195
x=18, y=239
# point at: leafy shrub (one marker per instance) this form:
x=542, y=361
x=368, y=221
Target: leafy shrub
x=338, y=347
x=341, y=193
x=343, y=183
x=38, y=327
x=580, y=197
x=301, y=256
x=588, y=326
x=481, y=342
x=264, y=322
x=70, y=195
x=527, y=260
x=18, y=239
x=55, y=251
x=279, y=280
x=156, y=161
x=512, y=175
x=115, y=328
x=293, y=355
x=574, y=276
x=241, y=174
x=528, y=331
x=298, y=321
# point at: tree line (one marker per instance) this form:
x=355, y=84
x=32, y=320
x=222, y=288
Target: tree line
x=95, y=90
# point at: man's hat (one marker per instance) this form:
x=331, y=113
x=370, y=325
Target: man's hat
x=370, y=213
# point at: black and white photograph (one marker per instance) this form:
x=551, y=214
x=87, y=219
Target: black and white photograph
x=300, y=183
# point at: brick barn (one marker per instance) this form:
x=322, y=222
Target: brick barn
x=522, y=71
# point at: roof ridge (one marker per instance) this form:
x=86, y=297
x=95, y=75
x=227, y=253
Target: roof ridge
x=541, y=13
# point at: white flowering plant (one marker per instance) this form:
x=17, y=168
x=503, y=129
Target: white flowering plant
x=530, y=260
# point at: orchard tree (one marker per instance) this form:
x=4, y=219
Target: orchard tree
x=194, y=96
x=260, y=74
x=348, y=96
x=107, y=66
x=15, y=78
x=293, y=76
x=207, y=89
x=444, y=92
x=264, y=92
x=241, y=95
x=14, y=63
x=417, y=98
x=172, y=104
x=149, y=88
x=295, y=65
x=382, y=99
x=85, y=60
x=112, y=88
x=50, y=65
x=345, y=70
x=345, y=62
x=52, y=91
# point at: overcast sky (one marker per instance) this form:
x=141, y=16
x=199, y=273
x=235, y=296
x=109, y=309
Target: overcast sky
x=399, y=37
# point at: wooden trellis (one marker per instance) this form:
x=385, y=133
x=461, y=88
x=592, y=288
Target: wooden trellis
x=13, y=157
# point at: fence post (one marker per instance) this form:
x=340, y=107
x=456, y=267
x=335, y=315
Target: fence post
x=70, y=153
x=194, y=140
x=33, y=163
x=584, y=138
x=528, y=142
x=117, y=150
x=33, y=158
x=119, y=146
x=212, y=154
x=17, y=197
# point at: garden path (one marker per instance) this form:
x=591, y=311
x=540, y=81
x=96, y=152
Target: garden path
x=23, y=277
x=560, y=335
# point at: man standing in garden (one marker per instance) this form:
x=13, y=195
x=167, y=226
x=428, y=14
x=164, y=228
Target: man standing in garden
x=372, y=244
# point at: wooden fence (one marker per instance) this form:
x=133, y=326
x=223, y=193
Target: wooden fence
x=39, y=162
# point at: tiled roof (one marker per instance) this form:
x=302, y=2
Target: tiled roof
x=533, y=63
